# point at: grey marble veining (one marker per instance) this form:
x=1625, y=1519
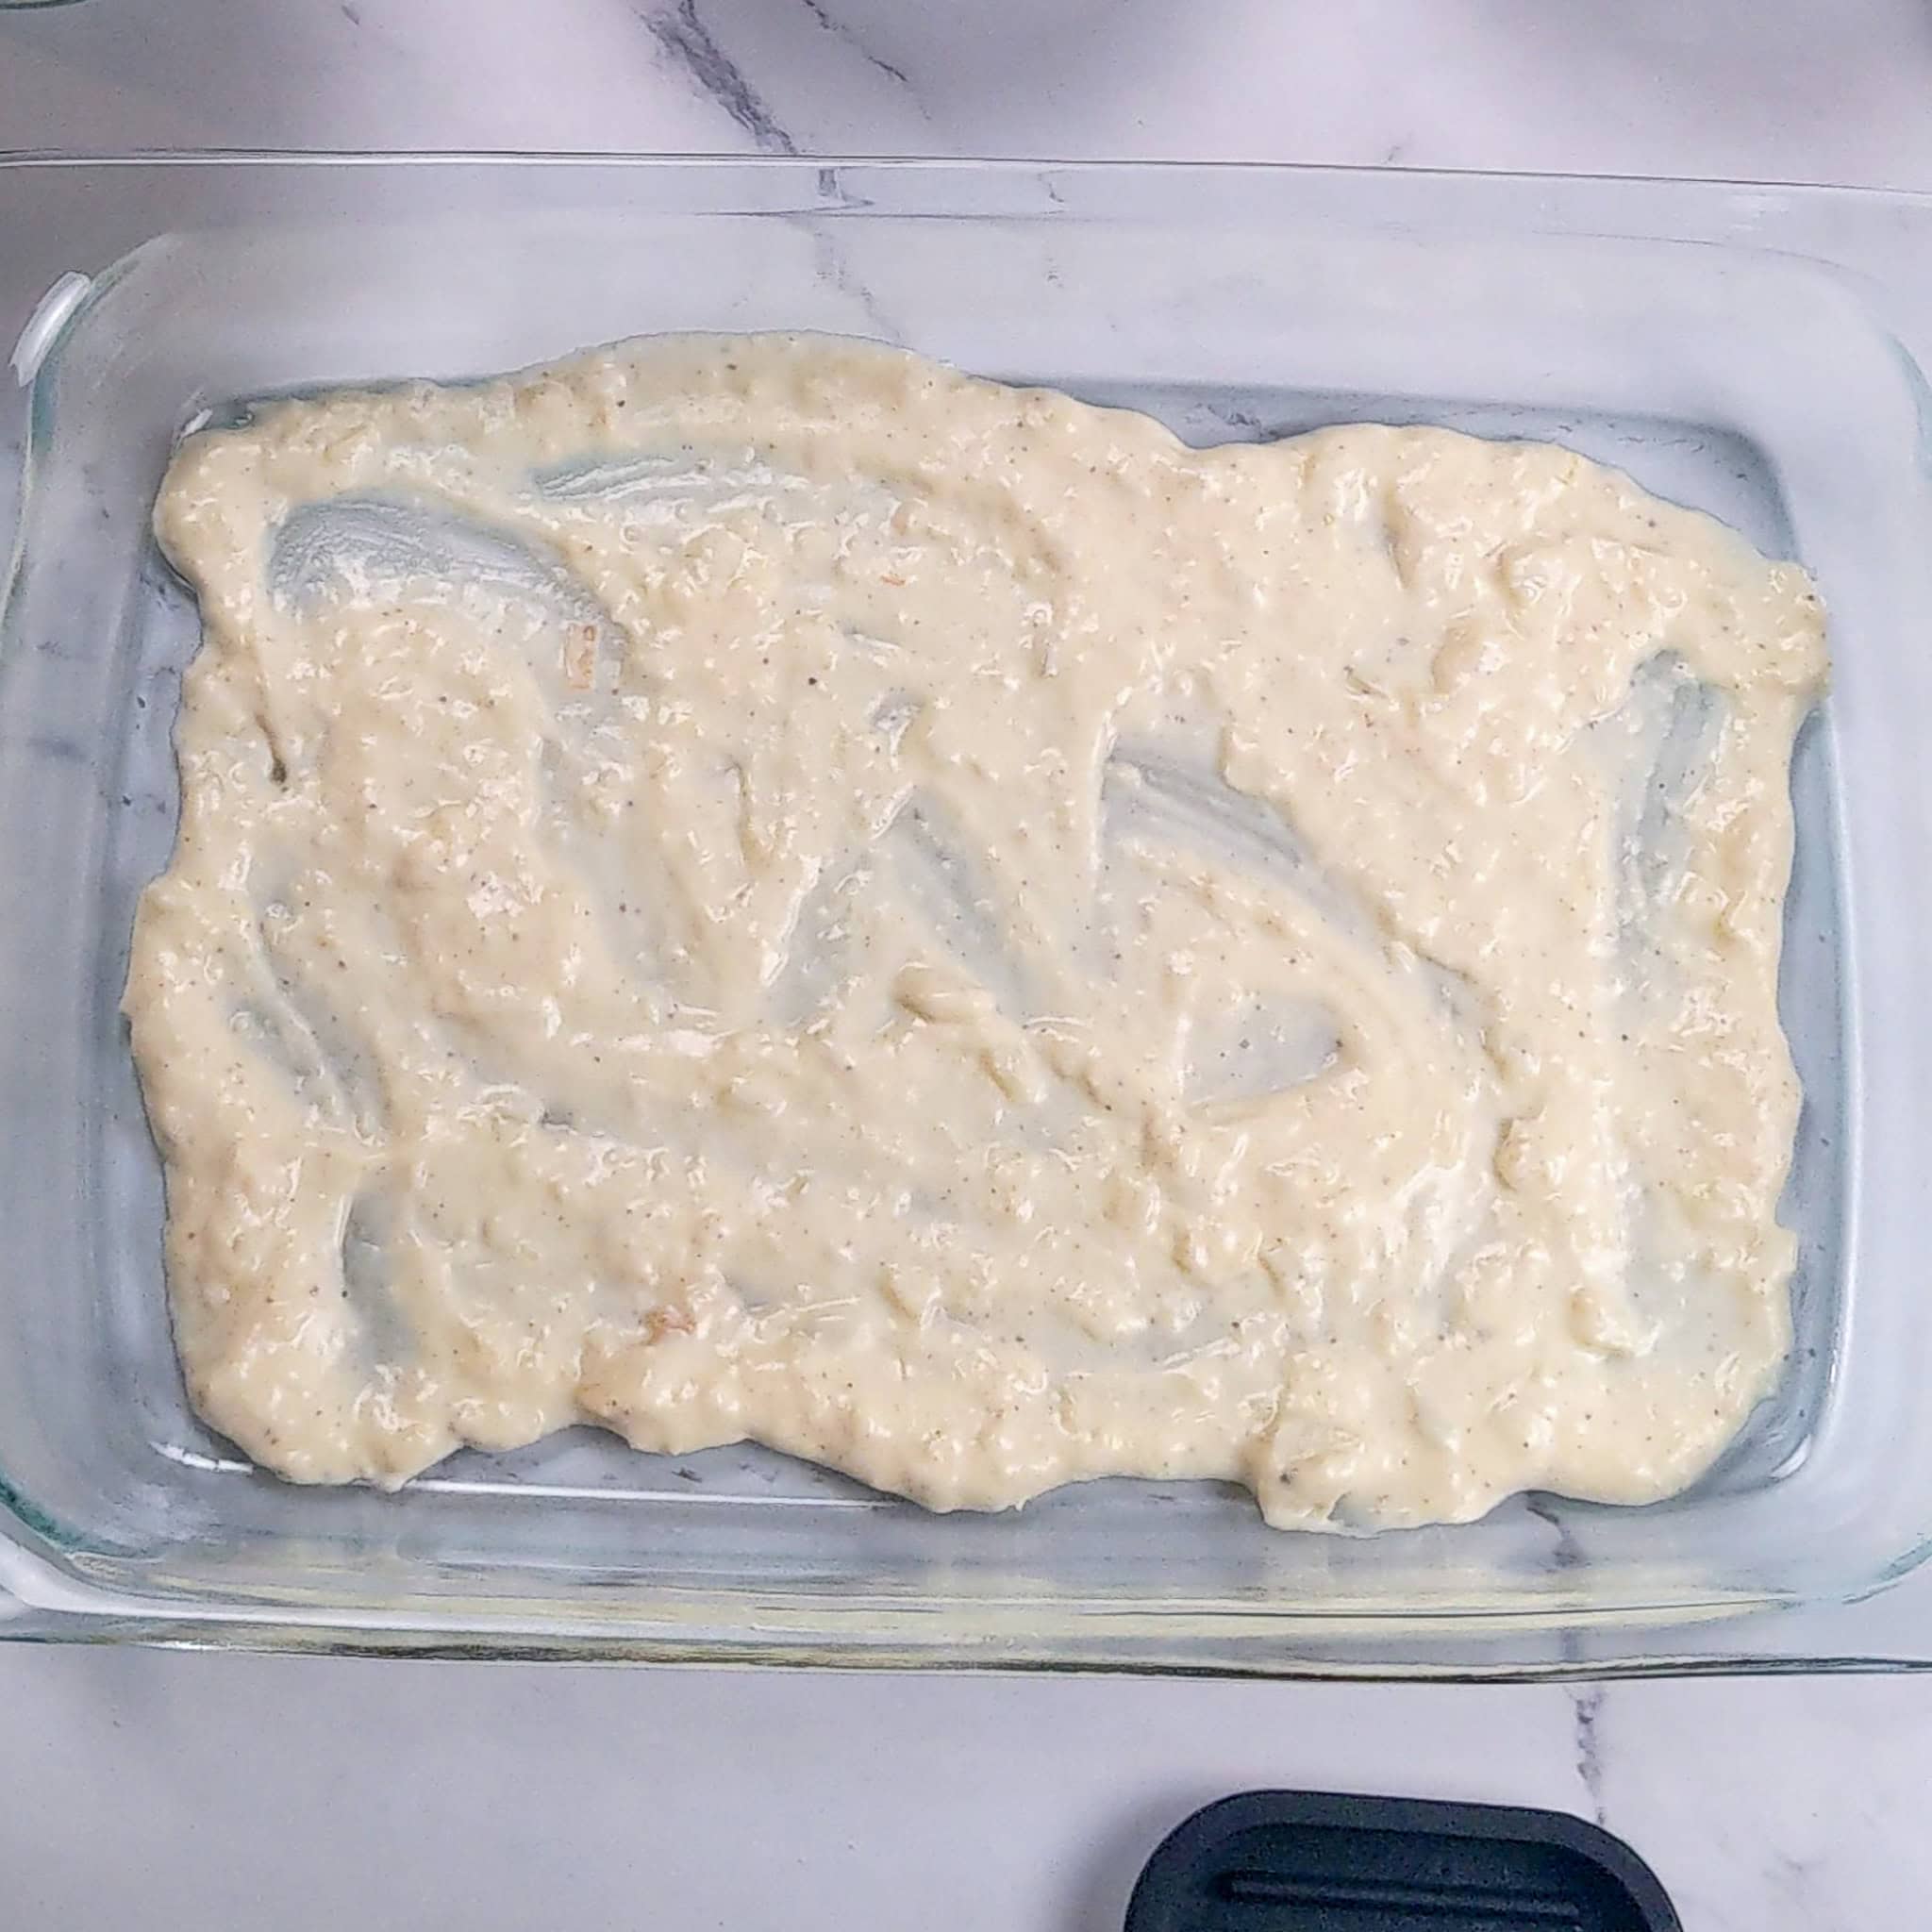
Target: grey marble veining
x=688, y=41
x=828, y=19
x=1587, y=1705
x=1769, y=92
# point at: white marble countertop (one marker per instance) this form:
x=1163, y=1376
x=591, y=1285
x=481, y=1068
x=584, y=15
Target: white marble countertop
x=218, y=1793
x=1760, y=89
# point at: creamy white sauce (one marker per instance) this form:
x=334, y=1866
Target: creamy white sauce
x=765, y=889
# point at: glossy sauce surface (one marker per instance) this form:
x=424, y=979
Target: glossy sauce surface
x=761, y=887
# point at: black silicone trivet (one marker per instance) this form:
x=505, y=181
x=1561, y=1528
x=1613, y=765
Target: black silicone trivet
x=1305, y=1861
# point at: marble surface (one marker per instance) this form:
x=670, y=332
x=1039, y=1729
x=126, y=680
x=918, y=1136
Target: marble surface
x=153, y=1789
x=1762, y=89
x=157, y=1790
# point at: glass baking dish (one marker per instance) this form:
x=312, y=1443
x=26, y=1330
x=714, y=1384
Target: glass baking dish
x=1754, y=351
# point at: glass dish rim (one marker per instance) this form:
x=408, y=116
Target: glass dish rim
x=711, y=161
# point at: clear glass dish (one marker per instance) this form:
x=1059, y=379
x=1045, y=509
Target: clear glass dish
x=1752, y=351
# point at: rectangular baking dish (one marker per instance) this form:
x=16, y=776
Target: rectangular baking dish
x=1756, y=352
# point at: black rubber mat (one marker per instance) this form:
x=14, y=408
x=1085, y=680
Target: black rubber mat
x=1305, y=1861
